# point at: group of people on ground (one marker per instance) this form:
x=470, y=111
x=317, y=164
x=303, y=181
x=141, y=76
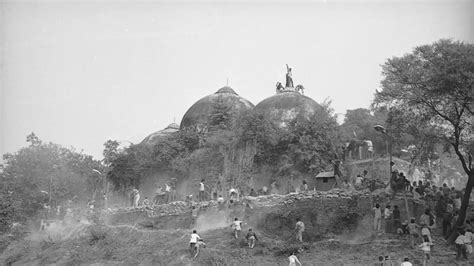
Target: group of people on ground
x=427, y=222
x=163, y=195
x=251, y=236
x=206, y=192
x=196, y=242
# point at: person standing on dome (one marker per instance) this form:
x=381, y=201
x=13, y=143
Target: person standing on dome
x=289, y=77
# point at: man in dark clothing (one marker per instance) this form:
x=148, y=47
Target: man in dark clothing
x=396, y=217
x=440, y=207
x=251, y=238
x=252, y=193
x=421, y=187
x=447, y=217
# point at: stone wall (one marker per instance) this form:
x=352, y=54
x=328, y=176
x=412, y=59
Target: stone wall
x=334, y=211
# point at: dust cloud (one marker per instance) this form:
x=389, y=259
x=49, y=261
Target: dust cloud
x=214, y=220
x=361, y=234
x=60, y=230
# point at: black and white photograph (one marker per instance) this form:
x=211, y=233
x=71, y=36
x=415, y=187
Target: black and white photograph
x=237, y=132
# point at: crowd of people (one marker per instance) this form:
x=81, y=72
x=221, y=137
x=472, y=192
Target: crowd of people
x=196, y=242
x=387, y=219
x=419, y=232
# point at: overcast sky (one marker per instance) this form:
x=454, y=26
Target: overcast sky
x=79, y=74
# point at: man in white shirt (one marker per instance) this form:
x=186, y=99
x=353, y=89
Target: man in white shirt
x=457, y=202
x=220, y=199
x=293, y=259
x=370, y=148
x=167, y=193
x=468, y=236
x=425, y=233
x=192, y=242
x=202, y=191
x=461, y=246
x=406, y=262
x=233, y=194
x=237, y=226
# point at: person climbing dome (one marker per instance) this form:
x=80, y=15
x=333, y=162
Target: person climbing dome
x=237, y=226
x=299, y=227
x=192, y=242
x=251, y=238
x=293, y=259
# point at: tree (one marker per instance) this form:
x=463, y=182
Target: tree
x=313, y=142
x=359, y=125
x=125, y=172
x=111, y=151
x=415, y=135
x=435, y=83
x=258, y=129
x=307, y=145
x=44, y=173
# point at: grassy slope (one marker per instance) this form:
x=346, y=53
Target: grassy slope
x=128, y=245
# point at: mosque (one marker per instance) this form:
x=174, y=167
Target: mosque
x=285, y=105
x=288, y=103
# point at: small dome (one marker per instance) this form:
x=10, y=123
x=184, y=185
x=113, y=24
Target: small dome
x=198, y=114
x=284, y=107
x=154, y=137
x=226, y=89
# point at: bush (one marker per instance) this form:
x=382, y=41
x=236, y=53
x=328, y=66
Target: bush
x=96, y=234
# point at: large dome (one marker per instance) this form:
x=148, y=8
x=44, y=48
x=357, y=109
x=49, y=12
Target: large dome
x=198, y=114
x=286, y=106
x=155, y=137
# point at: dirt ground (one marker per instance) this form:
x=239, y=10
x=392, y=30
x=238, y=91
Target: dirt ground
x=127, y=245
